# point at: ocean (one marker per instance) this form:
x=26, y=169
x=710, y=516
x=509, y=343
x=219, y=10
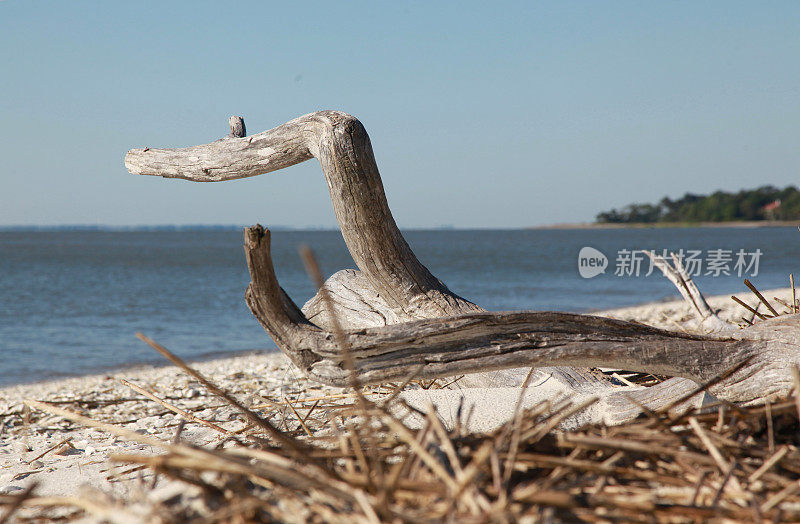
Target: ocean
x=71, y=301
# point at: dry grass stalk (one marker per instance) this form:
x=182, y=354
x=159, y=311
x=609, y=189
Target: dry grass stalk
x=254, y=418
x=758, y=294
x=750, y=309
x=65, y=442
x=185, y=414
x=18, y=501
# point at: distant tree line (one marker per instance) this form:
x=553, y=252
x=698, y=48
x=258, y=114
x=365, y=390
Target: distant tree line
x=763, y=203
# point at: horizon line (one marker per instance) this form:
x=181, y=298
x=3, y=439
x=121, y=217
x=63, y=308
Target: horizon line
x=167, y=227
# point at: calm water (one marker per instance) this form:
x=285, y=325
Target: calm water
x=71, y=301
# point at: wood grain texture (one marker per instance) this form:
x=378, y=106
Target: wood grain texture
x=708, y=320
x=238, y=129
x=482, y=341
x=342, y=146
x=398, y=317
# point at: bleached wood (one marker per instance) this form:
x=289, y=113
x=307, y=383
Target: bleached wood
x=342, y=146
x=708, y=319
x=473, y=342
x=238, y=129
x=398, y=316
x=356, y=303
x=492, y=407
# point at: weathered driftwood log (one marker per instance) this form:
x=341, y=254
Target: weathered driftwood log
x=400, y=319
x=475, y=342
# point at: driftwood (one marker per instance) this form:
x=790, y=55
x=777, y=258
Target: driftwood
x=391, y=282
x=709, y=321
x=399, y=320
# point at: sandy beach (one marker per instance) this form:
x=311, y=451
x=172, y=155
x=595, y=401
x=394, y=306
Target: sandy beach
x=67, y=459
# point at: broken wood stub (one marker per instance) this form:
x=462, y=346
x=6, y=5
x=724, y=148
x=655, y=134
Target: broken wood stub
x=237, y=127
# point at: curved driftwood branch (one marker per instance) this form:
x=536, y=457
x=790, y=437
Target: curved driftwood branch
x=342, y=146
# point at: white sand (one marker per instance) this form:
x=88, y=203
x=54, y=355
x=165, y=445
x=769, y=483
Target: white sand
x=254, y=379
x=677, y=314
x=251, y=378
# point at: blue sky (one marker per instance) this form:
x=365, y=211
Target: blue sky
x=481, y=114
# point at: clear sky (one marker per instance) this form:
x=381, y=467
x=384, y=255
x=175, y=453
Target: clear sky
x=484, y=114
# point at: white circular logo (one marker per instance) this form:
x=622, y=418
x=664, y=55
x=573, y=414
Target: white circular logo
x=591, y=262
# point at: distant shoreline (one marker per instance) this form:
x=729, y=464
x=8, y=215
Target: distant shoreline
x=643, y=225
x=283, y=228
